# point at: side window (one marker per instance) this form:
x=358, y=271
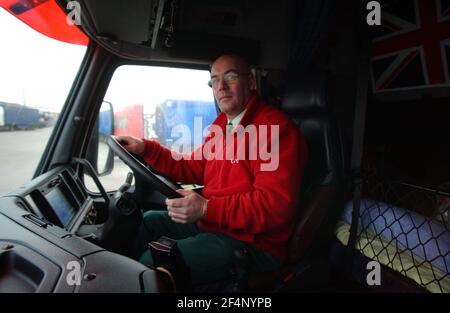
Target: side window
x=36, y=73
x=170, y=105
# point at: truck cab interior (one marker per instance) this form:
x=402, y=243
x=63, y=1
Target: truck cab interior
x=363, y=198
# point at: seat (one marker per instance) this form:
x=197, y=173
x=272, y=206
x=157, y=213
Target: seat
x=322, y=194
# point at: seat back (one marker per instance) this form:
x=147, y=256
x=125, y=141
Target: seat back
x=322, y=184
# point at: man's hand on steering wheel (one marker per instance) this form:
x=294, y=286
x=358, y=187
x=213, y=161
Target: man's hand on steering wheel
x=132, y=144
x=187, y=209
x=130, y=149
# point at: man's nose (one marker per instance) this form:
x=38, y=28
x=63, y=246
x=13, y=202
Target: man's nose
x=222, y=84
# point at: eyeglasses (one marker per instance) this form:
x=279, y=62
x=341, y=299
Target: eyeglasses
x=229, y=77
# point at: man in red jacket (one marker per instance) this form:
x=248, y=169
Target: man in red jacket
x=250, y=164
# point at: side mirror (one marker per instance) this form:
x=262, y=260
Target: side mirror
x=99, y=154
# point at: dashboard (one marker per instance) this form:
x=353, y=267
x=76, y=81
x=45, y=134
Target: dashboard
x=41, y=245
x=61, y=199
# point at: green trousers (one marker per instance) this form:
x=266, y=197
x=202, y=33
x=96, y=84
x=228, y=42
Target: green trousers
x=208, y=255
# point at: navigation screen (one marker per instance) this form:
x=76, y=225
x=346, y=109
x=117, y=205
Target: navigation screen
x=61, y=206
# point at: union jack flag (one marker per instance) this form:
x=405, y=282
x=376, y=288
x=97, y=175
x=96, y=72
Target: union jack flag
x=412, y=47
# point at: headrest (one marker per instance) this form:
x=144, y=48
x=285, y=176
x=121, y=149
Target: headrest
x=308, y=95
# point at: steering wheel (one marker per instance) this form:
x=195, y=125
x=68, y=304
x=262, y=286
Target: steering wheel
x=137, y=165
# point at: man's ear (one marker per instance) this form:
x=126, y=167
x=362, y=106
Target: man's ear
x=252, y=80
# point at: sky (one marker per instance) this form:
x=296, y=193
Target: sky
x=152, y=85
x=38, y=71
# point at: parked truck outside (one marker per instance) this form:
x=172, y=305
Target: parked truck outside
x=15, y=116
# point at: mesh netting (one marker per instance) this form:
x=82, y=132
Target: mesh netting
x=406, y=228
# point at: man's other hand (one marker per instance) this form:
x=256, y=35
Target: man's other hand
x=132, y=144
x=188, y=209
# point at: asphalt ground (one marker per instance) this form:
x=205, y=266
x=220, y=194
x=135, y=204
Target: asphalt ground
x=21, y=152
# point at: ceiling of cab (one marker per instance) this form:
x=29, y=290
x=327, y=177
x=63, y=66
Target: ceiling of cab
x=198, y=29
x=122, y=19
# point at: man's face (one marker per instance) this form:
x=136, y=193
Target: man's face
x=231, y=95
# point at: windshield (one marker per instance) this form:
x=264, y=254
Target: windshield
x=36, y=75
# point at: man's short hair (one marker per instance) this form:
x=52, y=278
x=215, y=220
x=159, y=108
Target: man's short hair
x=240, y=58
